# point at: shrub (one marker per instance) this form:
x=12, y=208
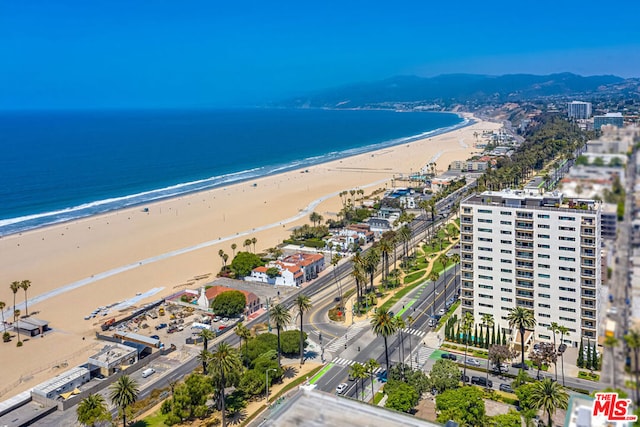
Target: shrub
x=6, y=337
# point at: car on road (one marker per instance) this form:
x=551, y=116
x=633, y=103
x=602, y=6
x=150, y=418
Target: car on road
x=473, y=362
x=481, y=381
x=449, y=356
x=341, y=388
x=161, y=326
x=382, y=377
x=147, y=372
x=464, y=378
x=155, y=337
x=442, y=311
x=506, y=388
x=432, y=323
x=520, y=366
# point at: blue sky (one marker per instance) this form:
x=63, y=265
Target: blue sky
x=123, y=54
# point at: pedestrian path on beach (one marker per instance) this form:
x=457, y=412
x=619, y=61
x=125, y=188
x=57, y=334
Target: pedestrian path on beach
x=115, y=271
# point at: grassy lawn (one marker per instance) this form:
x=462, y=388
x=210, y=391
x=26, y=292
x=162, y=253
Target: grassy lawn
x=413, y=277
x=155, y=420
x=588, y=376
x=401, y=293
x=378, y=397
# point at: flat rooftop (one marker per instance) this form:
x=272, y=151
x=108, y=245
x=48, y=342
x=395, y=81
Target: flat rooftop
x=130, y=336
x=61, y=380
x=113, y=352
x=311, y=408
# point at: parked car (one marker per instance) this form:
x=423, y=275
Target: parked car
x=481, y=381
x=506, y=388
x=155, y=337
x=464, y=378
x=432, y=322
x=161, y=326
x=449, y=356
x=341, y=388
x=473, y=362
x=442, y=311
x=520, y=366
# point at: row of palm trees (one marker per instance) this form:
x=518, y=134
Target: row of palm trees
x=15, y=286
x=360, y=372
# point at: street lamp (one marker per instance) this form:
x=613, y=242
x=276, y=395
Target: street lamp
x=267, y=381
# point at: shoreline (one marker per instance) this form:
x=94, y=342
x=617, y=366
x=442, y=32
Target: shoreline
x=111, y=204
x=179, y=239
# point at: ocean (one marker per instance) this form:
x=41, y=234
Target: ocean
x=62, y=165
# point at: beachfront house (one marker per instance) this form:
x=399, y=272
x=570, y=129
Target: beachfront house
x=310, y=264
x=357, y=234
x=288, y=275
x=209, y=294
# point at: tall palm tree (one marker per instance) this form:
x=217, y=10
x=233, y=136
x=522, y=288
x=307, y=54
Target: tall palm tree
x=361, y=279
x=563, y=330
x=433, y=276
x=383, y=325
x=487, y=321
x=465, y=327
x=2, y=306
x=233, y=248
x=205, y=358
x=400, y=324
x=16, y=316
x=385, y=248
x=14, y=286
x=226, y=369
x=253, y=242
x=405, y=237
x=455, y=259
x=371, y=261
x=25, y=284
x=548, y=395
x=123, y=393
x=244, y=334
x=370, y=366
x=611, y=343
x=247, y=243
x=445, y=260
x=302, y=303
x=92, y=409
x=280, y=316
x=358, y=373
x=206, y=335
x=522, y=319
x=554, y=329
x=335, y=260
x=633, y=342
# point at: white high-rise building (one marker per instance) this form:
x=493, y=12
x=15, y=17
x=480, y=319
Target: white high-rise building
x=532, y=250
x=579, y=110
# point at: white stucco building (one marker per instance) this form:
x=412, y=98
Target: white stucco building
x=536, y=251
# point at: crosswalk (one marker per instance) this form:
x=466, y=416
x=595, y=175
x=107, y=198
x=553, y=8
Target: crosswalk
x=348, y=362
x=351, y=334
x=416, y=332
x=422, y=355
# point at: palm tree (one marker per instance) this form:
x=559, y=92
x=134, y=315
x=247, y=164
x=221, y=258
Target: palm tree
x=487, y=321
x=253, y=242
x=548, y=395
x=247, y=243
x=455, y=259
x=563, y=330
x=371, y=261
x=226, y=369
x=25, y=284
x=445, y=260
x=14, y=286
x=123, y=393
x=16, y=316
x=280, y=316
x=400, y=324
x=385, y=248
x=315, y=218
x=334, y=262
x=465, y=327
x=358, y=372
x=370, y=367
x=383, y=325
x=611, y=343
x=405, y=237
x=244, y=334
x=360, y=278
x=522, y=319
x=233, y=248
x=92, y=409
x=2, y=306
x=303, y=303
x=205, y=358
x=633, y=342
x=206, y=335
x=433, y=276
x=554, y=329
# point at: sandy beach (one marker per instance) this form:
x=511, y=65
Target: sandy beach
x=111, y=257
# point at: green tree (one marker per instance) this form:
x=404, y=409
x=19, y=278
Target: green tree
x=273, y=272
x=244, y=262
x=190, y=399
x=499, y=354
x=244, y=334
x=229, y=303
x=463, y=405
x=315, y=218
x=510, y=419
x=401, y=396
x=206, y=335
x=226, y=369
x=444, y=375
x=303, y=304
x=465, y=327
x=549, y=396
x=358, y=372
x=563, y=330
x=383, y=325
x=521, y=319
x=204, y=357
x=92, y=409
x=279, y=315
x=554, y=330
x=24, y=285
x=290, y=342
x=15, y=287
x=123, y=393
x=611, y=343
x=370, y=367
x=580, y=361
x=487, y=322
x=633, y=342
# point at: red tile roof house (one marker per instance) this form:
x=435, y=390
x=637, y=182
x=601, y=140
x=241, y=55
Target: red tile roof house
x=310, y=264
x=289, y=275
x=207, y=296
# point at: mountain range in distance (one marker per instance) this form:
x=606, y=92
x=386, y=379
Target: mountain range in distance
x=451, y=89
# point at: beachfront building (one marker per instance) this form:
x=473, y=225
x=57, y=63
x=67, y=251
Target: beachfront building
x=532, y=250
x=310, y=264
x=614, y=119
x=61, y=386
x=469, y=166
x=579, y=110
x=31, y=326
x=113, y=358
x=207, y=295
x=288, y=275
x=357, y=235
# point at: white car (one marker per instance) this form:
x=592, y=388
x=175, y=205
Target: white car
x=341, y=388
x=472, y=362
x=442, y=312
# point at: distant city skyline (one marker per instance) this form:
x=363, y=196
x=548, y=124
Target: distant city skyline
x=73, y=54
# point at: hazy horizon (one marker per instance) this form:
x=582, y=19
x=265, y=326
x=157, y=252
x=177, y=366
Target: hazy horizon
x=77, y=55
